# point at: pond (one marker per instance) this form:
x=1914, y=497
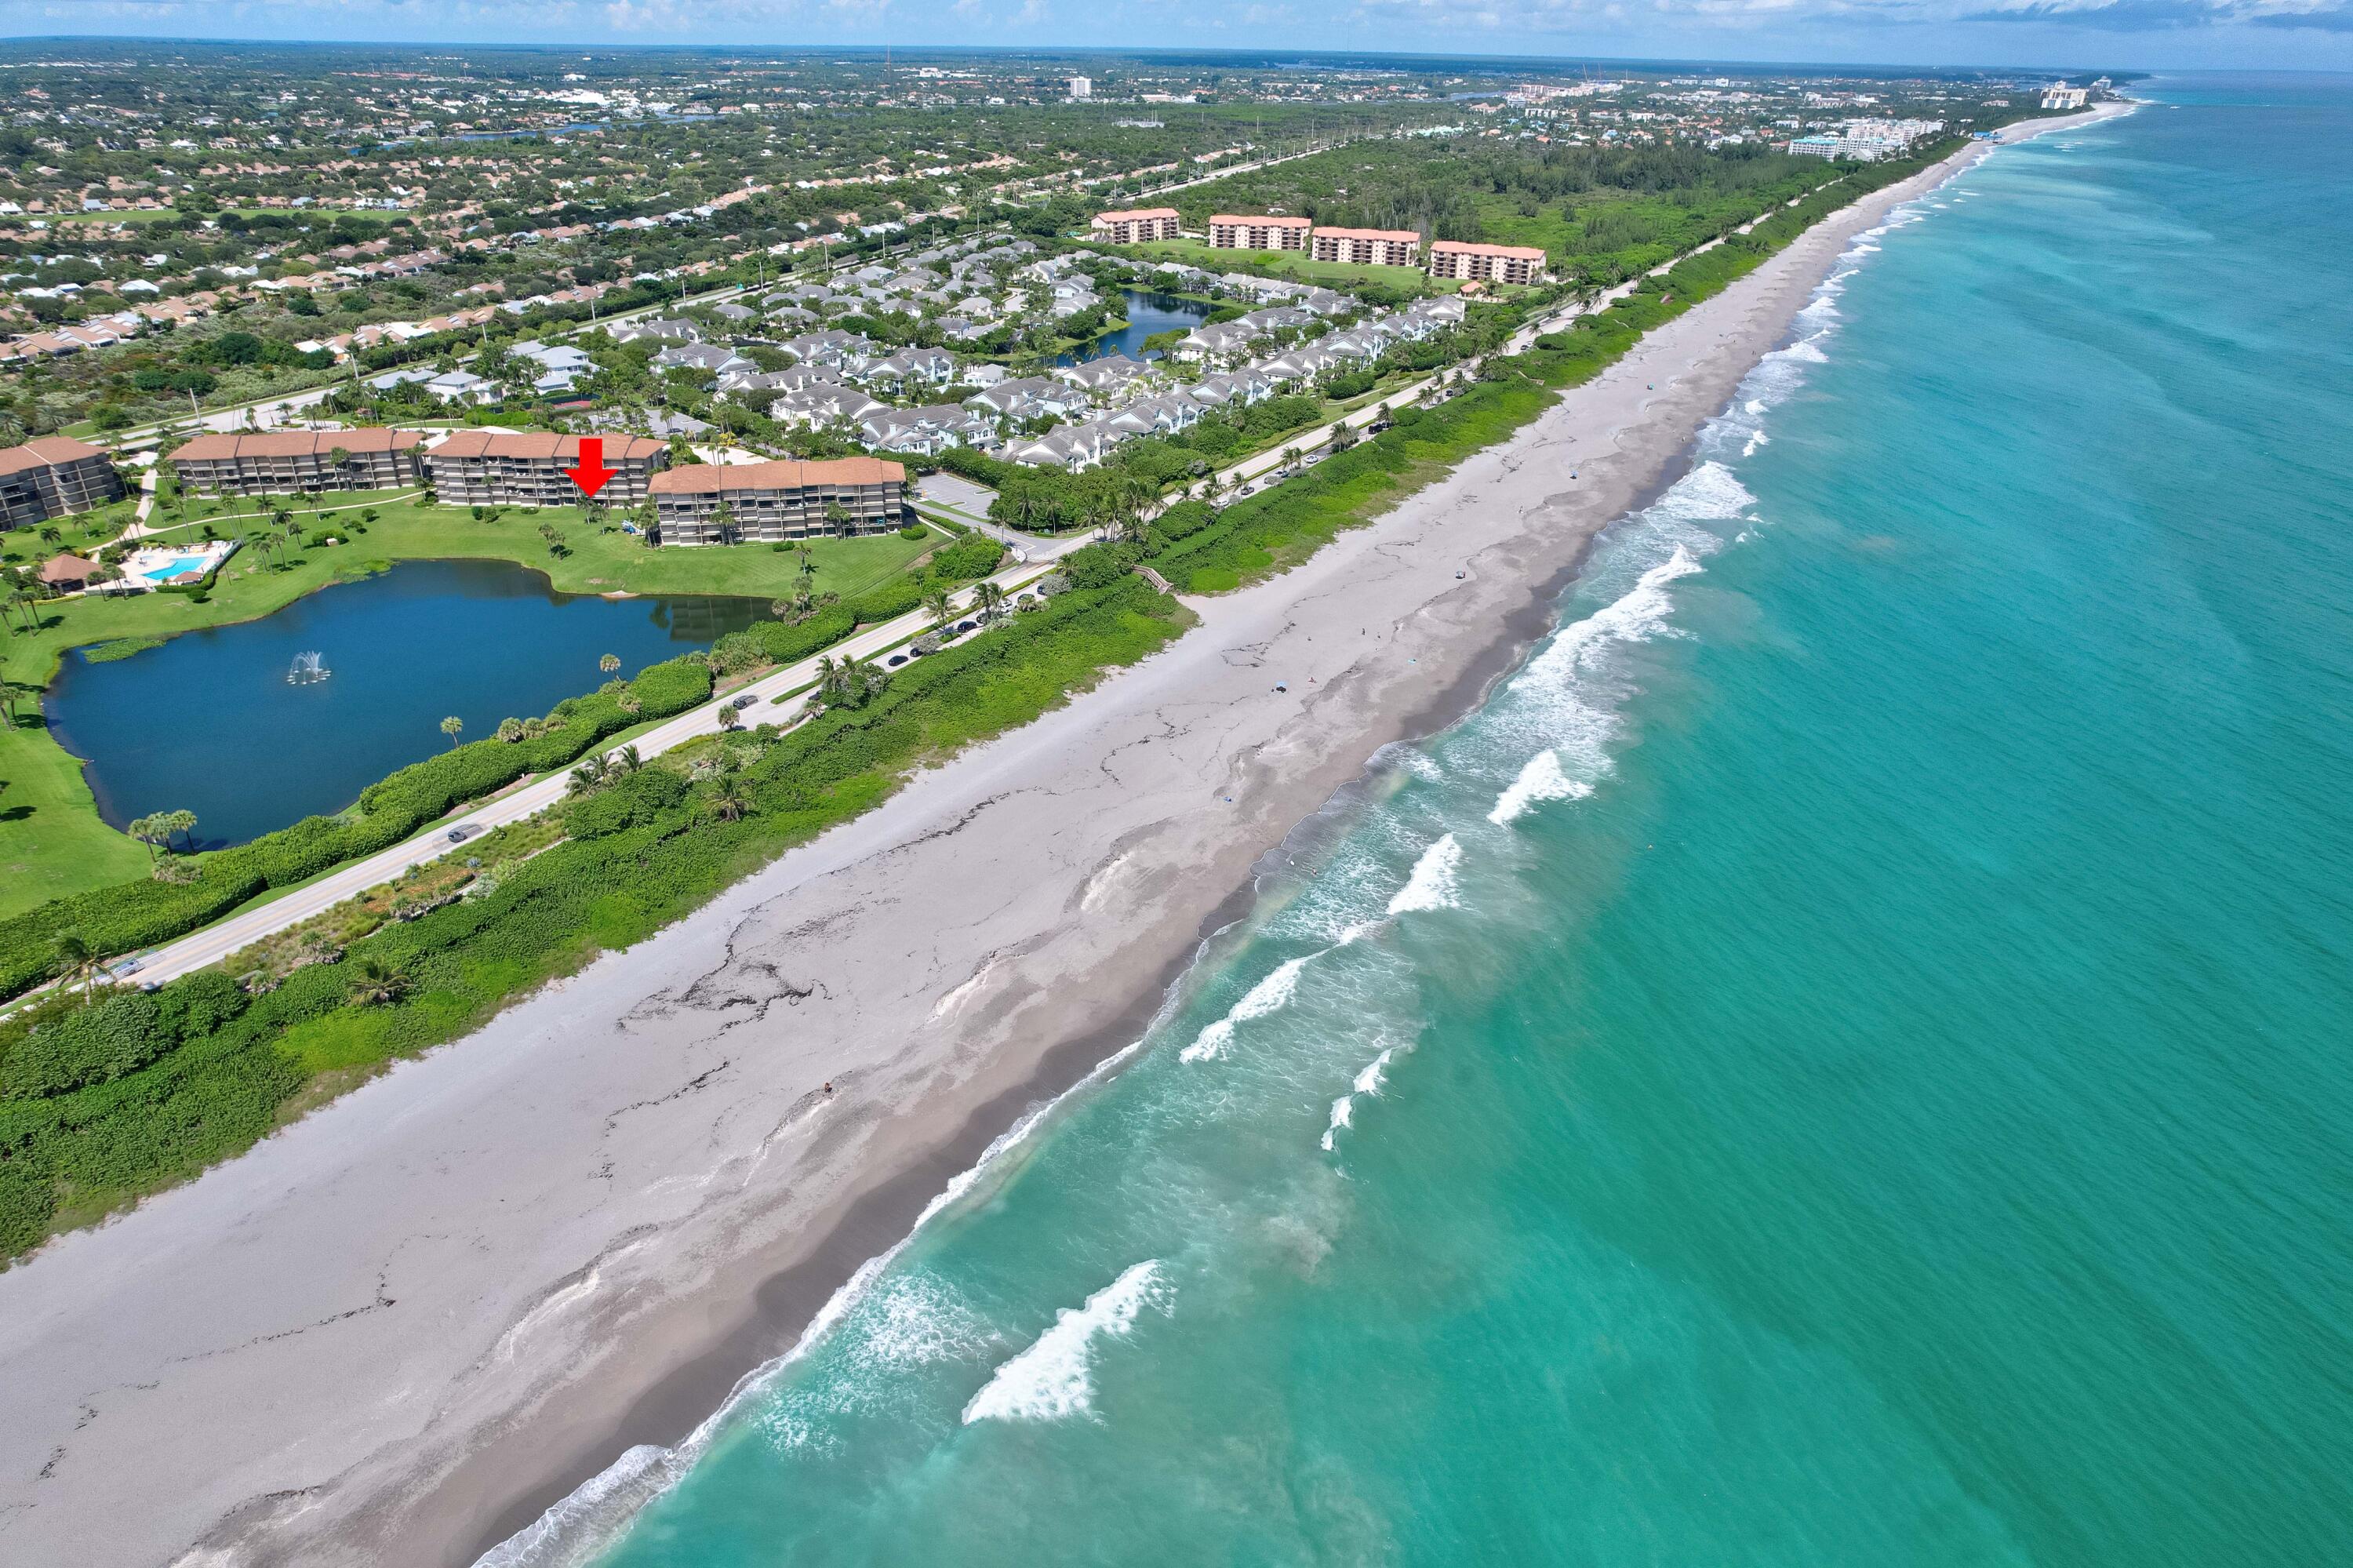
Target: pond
x=1148, y=312
x=211, y=722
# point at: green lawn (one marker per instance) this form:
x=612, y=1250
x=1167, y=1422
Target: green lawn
x=1285, y=264
x=51, y=840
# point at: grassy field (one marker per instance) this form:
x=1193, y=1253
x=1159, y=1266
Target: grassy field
x=51, y=840
x=1285, y=264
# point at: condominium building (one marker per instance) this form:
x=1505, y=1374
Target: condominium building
x=1241, y=231
x=1133, y=226
x=300, y=462
x=1368, y=246
x=768, y=502
x=1488, y=263
x=52, y=476
x=475, y=468
x=2058, y=95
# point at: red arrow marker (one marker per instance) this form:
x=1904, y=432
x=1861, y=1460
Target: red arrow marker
x=592, y=473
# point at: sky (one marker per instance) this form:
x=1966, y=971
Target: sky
x=2096, y=34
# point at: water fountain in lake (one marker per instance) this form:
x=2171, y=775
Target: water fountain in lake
x=307, y=671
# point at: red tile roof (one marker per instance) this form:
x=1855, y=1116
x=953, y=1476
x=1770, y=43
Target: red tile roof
x=544, y=444
x=785, y=473
x=296, y=443
x=49, y=451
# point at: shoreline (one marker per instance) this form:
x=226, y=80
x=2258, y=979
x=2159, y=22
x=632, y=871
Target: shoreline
x=512, y=1380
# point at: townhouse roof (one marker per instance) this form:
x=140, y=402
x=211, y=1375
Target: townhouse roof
x=47, y=451
x=1399, y=236
x=228, y=446
x=1133, y=214
x=784, y=473
x=1466, y=248
x=533, y=444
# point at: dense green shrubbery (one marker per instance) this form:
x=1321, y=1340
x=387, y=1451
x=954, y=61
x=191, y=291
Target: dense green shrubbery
x=640, y=797
x=974, y=556
x=103, y=1042
x=151, y=1089
x=133, y=915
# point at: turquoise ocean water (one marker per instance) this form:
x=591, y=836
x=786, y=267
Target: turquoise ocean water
x=1843, y=1059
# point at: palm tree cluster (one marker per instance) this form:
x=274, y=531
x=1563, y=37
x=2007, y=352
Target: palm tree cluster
x=595, y=772
x=163, y=828
x=850, y=683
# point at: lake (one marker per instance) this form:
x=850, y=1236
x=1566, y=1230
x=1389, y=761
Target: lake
x=210, y=723
x=1148, y=312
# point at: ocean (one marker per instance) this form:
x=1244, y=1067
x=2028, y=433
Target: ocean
x=1841, y=1059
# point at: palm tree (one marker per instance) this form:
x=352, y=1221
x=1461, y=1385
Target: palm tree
x=727, y=802
x=178, y=824
x=626, y=759
x=74, y=959
x=587, y=776
x=15, y=692
x=942, y=608
x=608, y=663
x=991, y=600
x=510, y=730
x=837, y=517
x=147, y=830
x=374, y=982
x=453, y=727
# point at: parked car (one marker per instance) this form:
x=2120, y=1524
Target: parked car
x=896, y=660
x=964, y=626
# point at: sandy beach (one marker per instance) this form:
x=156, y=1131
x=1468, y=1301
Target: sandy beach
x=403, y=1327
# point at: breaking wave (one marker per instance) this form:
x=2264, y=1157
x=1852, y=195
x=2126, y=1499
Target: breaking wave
x=1054, y=1377
x=1433, y=883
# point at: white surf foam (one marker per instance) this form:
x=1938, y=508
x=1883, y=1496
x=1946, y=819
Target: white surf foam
x=1054, y=1377
x=1267, y=996
x=1755, y=439
x=1343, y=1114
x=1541, y=779
x=1642, y=612
x=1343, y=1109
x=576, y=1529
x=1432, y=884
